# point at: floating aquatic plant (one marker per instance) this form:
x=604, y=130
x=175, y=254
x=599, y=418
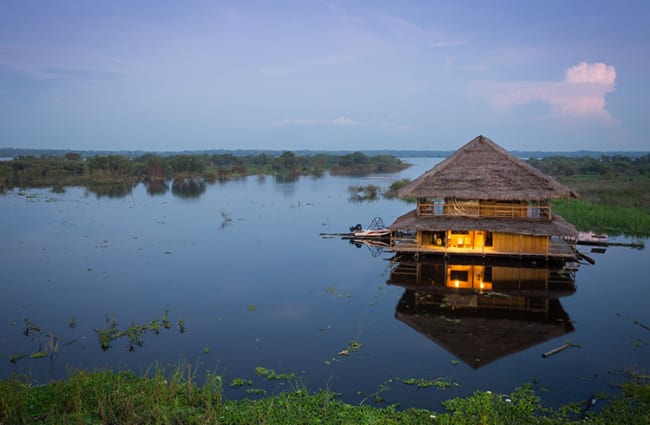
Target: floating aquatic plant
x=135, y=332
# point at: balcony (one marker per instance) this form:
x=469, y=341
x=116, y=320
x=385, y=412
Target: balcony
x=473, y=209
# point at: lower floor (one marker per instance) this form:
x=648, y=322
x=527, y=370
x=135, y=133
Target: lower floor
x=480, y=242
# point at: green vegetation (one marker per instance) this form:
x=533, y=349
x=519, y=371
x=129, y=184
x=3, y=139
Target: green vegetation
x=272, y=375
x=439, y=383
x=614, y=192
x=618, y=180
x=135, y=333
x=103, y=397
x=371, y=192
x=48, y=342
x=395, y=187
x=606, y=219
x=363, y=193
x=115, y=175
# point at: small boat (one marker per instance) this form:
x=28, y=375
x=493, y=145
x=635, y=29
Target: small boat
x=590, y=238
x=376, y=230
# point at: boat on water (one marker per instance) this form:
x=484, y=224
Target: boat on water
x=376, y=230
x=591, y=238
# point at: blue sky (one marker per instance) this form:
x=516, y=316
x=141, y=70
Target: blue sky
x=170, y=75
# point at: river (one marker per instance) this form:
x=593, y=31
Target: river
x=243, y=268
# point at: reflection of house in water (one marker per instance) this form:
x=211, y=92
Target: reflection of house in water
x=483, y=201
x=486, y=310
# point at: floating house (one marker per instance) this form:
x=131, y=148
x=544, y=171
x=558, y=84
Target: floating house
x=483, y=201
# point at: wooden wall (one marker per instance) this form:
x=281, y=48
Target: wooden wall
x=507, y=242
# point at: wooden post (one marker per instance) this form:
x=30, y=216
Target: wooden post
x=556, y=350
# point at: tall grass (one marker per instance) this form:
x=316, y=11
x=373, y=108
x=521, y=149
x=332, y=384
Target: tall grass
x=105, y=397
x=612, y=220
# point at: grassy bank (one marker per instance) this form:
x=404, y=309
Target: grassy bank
x=104, y=397
x=602, y=218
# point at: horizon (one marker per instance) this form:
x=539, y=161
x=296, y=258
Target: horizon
x=404, y=153
x=324, y=76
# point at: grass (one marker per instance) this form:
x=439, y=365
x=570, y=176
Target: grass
x=601, y=218
x=106, y=397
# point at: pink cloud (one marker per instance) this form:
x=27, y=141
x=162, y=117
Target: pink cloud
x=581, y=93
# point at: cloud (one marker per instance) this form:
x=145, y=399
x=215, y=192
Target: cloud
x=344, y=121
x=81, y=74
x=294, y=121
x=409, y=32
x=340, y=121
x=351, y=37
x=581, y=93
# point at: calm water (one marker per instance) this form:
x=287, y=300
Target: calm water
x=265, y=290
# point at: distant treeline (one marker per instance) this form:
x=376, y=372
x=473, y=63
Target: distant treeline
x=74, y=170
x=604, y=166
x=399, y=153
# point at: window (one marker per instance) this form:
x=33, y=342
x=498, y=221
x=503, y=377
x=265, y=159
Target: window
x=438, y=206
x=460, y=275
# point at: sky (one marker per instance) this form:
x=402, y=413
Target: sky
x=160, y=75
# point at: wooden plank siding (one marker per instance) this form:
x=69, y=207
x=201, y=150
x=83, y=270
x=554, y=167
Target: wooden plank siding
x=473, y=243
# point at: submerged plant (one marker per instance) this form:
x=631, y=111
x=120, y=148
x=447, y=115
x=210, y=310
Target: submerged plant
x=271, y=374
x=48, y=342
x=165, y=320
x=439, y=383
x=108, y=334
x=363, y=193
x=135, y=332
x=15, y=357
x=30, y=328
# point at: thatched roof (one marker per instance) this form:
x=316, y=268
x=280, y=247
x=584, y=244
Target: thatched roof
x=556, y=227
x=482, y=170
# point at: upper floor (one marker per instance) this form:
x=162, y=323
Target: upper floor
x=447, y=207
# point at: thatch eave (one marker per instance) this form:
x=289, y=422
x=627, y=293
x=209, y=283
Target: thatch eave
x=555, y=227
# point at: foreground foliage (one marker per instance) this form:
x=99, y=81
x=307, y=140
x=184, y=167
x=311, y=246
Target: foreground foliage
x=105, y=397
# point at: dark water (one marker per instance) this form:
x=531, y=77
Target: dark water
x=265, y=290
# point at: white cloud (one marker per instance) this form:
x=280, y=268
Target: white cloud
x=581, y=93
x=295, y=121
x=340, y=121
x=344, y=121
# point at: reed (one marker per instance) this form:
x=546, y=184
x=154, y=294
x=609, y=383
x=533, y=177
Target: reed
x=608, y=219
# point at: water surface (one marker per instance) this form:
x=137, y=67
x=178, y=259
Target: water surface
x=264, y=289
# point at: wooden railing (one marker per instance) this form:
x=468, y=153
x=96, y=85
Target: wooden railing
x=530, y=212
